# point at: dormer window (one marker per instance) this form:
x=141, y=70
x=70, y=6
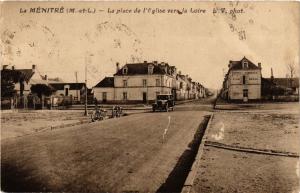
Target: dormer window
x=150, y=69
x=245, y=64
x=125, y=70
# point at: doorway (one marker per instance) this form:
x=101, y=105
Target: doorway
x=144, y=97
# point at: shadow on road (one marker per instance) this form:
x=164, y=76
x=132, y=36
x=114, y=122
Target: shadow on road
x=177, y=177
x=14, y=179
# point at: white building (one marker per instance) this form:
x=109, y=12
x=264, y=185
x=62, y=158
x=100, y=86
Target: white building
x=142, y=82
x=75, y=91
x=104, y=91
x=242, y=81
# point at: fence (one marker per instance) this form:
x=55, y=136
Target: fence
x=35, y=102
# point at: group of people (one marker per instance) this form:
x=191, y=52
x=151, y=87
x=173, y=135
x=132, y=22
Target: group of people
x=100, y=113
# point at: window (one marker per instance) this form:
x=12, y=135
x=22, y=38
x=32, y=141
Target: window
x=66, y=91
x=244, y=79
x=150, y=69
x=181, y=85
x=157, y=82
x=124, y=95
x=245, y=64
x=144, y=82
x=245, y=93
x=125, y=83
x=125, y=70
x=104, y=96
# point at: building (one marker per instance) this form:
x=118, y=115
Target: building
x=290, y=85
x=20, y=77
x=275, y=87
x=104, y=91
x=74, y=91
x=142, y=82
x=242, y=81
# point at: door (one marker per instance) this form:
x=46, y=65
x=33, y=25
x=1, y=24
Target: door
x=66, y=91
x=144, y=97
x=104, y=97
x=245, y=95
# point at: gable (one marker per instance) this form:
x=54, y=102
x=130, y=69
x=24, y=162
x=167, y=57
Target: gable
x=106, y=82
x=239, y=65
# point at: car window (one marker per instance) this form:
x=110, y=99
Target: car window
x=162, y=97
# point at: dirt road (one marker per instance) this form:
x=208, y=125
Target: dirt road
x=125, y=154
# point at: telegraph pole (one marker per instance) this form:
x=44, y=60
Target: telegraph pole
x=85, y=105
x=77, y=95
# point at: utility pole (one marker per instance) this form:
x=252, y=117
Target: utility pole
x=85, y=105
x=77, y=95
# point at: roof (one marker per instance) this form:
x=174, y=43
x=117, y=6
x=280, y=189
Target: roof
x=238, y=65
x=73, y=86
x=27, y=73
x=285, y=82
x=18, y=74
x=106, y=82
x=142, y=68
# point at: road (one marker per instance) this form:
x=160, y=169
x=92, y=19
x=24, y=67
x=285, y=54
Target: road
x=115, y=155
x=128, y=154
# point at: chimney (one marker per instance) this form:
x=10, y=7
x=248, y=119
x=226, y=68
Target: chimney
x=33, y=67
x=117, y=66
x=259, y=65
x=145, y=61
x=4, y=67
x=13, y=67
x=230, y=64
x=46, y=77
x=272, y=77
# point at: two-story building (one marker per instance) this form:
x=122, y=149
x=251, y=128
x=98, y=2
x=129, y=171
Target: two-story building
x=142, y=82
x=242, y=81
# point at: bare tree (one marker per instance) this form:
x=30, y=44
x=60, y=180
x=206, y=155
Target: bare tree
x=291, y=68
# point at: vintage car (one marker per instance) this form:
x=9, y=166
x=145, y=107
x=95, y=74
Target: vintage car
x=163, y=102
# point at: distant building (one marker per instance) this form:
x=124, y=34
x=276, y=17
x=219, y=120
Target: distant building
x=290, y=85
x=104, y=91
x=279, y=86
x=142, y=82
x=20, y=77
x=75, y=91
x=242, y=81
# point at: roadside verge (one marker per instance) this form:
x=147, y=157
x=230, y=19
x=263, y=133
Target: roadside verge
x=191, y=176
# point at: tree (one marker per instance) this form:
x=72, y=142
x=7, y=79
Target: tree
x=7, y=88
x=41, y=89
x=291, y=68
x=8, y=80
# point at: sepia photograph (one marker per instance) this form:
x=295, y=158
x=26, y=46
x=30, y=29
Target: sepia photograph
x=150, y=96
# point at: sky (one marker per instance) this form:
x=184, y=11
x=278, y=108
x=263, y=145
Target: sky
x=198, y=44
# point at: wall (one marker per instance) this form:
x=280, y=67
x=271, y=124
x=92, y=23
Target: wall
x=236, y=86
x=98, y=93
x=135, y=87
x=26, y=88
x=236, y=92
x=71, y=92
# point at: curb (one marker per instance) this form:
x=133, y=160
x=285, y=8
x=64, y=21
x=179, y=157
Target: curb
x=188, y=184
